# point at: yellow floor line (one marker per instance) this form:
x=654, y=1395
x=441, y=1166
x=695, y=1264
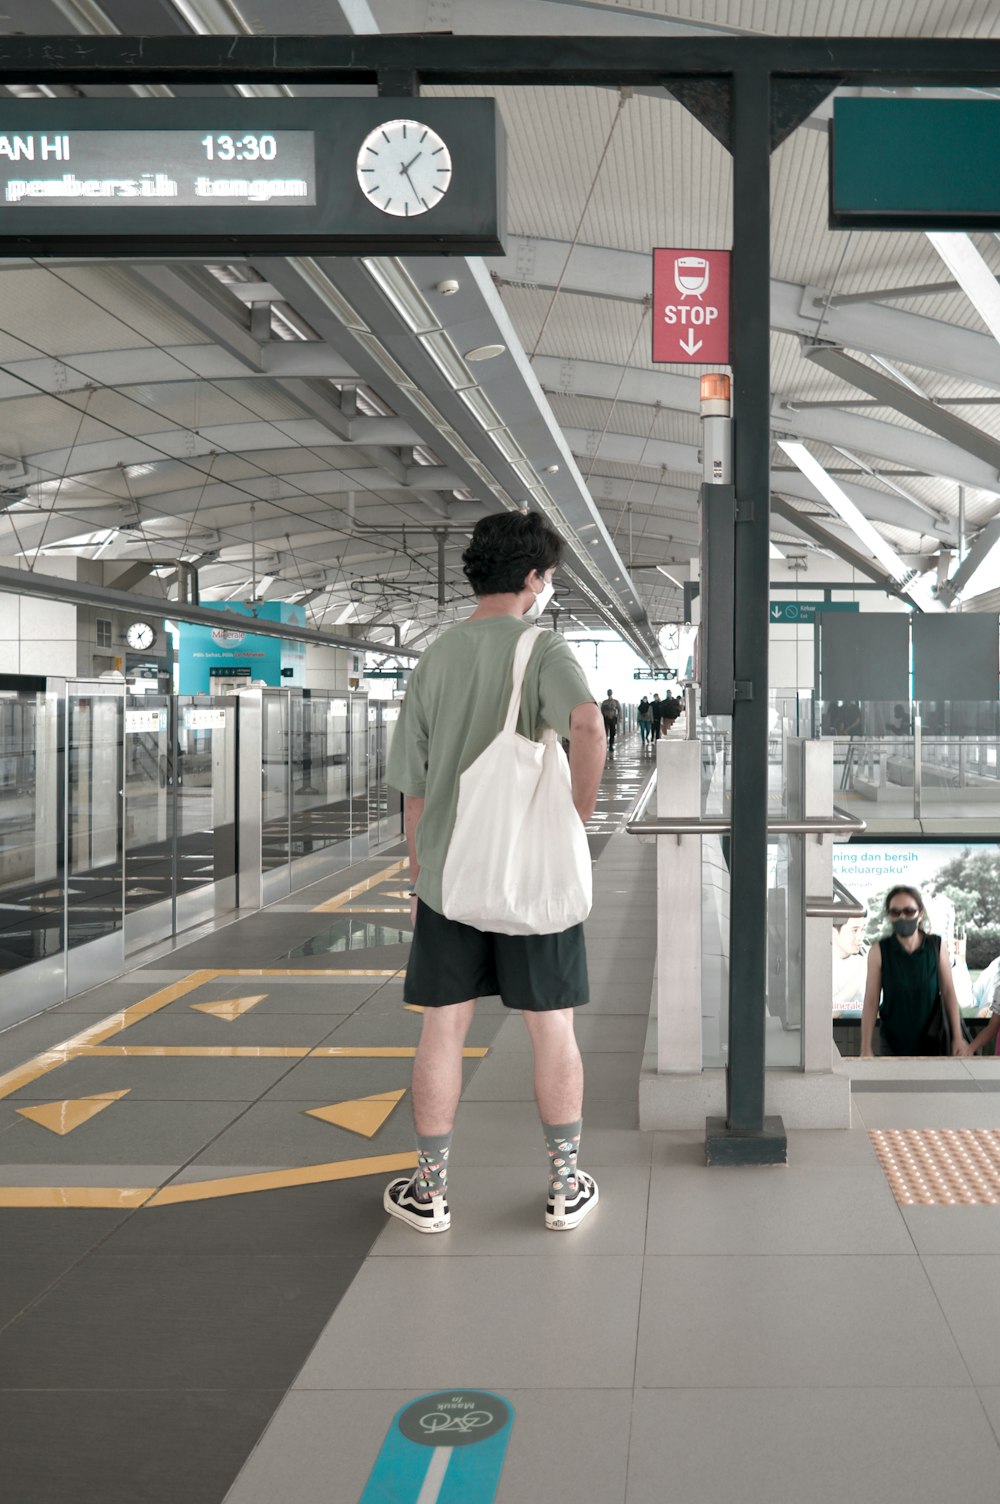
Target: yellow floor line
x=385, y=1052
x=314, y=971
x=207, y=1051
x=276, y=1180
x=51, y=1059
x=331, y=905
x=97, y=1196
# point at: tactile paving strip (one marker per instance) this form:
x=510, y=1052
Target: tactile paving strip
x=940, y=1166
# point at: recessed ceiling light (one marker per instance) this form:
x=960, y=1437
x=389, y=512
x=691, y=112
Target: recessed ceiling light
x=485, y=352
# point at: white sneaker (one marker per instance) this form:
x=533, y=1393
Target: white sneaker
x=563, y=1212
x=426, y=1216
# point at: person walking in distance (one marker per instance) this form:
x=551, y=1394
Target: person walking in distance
x=611, y=711
x=645, y=718
x=454, y=707
x=657, y=709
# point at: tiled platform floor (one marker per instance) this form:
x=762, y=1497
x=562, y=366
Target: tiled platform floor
x=707, y=1337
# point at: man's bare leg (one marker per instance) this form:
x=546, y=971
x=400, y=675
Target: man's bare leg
x=558, y=1066
x=422, y=1200
x=437, y=1069
x=559, y=1093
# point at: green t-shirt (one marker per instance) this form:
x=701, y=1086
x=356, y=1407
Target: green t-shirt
x=455, y=705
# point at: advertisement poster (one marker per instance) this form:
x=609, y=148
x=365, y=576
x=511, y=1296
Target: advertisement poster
x=960, y=886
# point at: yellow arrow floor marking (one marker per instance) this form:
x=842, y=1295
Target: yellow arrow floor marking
x=231, y=1010
x=63, y=1117
x=333, y=904
x=364, y=1115
x=277, y=1180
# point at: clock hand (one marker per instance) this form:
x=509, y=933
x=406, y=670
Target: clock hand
x=407, y=165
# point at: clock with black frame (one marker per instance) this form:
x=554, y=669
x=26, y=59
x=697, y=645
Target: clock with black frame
x=281, y=176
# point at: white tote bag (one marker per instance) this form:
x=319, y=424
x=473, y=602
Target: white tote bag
x=518, y=862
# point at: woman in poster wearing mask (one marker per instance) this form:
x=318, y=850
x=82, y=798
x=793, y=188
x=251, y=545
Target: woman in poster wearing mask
x=909, y=970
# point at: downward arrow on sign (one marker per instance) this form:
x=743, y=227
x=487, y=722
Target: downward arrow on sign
x=690, y=344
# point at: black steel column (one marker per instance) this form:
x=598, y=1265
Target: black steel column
x=746, y=1137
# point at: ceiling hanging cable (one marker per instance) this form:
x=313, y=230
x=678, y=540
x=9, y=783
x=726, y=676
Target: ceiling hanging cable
x=624, y=95
x=618, y=388
x=627, y=504
x=62, y=479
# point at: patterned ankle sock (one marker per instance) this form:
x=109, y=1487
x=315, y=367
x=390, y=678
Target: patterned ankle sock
x=563, y=1143
x=431, y=1177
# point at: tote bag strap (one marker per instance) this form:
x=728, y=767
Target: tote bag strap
x=522, y=653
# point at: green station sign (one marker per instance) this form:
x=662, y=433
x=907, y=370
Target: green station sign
x=802, y=613
x=916, y=164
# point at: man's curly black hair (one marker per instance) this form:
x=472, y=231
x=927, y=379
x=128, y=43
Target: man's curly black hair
x=505, y=548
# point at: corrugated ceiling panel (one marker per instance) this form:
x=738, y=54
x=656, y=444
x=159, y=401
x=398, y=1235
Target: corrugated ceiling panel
x=114, y=290
x=53, y=318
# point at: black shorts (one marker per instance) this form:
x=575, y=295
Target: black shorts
x=452, y=962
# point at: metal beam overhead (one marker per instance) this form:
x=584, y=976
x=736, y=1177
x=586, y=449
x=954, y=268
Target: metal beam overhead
x=959, y=434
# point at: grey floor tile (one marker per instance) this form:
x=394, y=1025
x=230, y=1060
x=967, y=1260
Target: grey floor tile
x=323, y=1445
x=49, y=1231
x=329, y=1079
x=123, y=1446
x=763, y=1321
x=165, y=1078
x=342, y=1219
x=967, y=1288
x=492, y=1323
x=24, y=1280
x=124, y=1134
x=501, y=1211
x=279, y=1134
x=134, y=988
x=830, y=1146
x=508, y=1078
x=775, y=1210
x=327, y=997
x=936, y=1110
x=786, y=1445
x=990, y=1399
x=157, y=1321
x=43, y=1033
x=953, y=1229
x=505, y=1133
x=182, y=1024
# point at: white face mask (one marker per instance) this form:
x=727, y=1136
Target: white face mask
x=542, y=598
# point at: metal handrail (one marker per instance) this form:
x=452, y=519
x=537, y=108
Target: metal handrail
x=833, y=908
x=701, y=826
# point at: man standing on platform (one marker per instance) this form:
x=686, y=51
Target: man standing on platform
x=611, y=711
x=455, y=706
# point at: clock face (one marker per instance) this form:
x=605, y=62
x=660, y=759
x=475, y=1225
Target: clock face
x=140, y=636
x=404, y=168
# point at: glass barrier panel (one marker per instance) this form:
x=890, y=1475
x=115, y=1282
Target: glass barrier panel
x=275, y=799
x=319, y=771
x=149, y=805
x=359, y=765
x=785, y=891
x=206, y=794
x=94, y=815
x=32, y=894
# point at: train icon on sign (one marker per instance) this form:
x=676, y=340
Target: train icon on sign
x=691, y=275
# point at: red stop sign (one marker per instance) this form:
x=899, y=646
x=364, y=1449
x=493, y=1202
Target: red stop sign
x=691, y=306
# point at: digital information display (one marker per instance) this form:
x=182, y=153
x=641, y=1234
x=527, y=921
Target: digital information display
x=143, y=168
x=222, y=177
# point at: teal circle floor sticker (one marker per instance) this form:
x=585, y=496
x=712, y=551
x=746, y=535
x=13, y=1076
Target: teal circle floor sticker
x=443, y=1448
